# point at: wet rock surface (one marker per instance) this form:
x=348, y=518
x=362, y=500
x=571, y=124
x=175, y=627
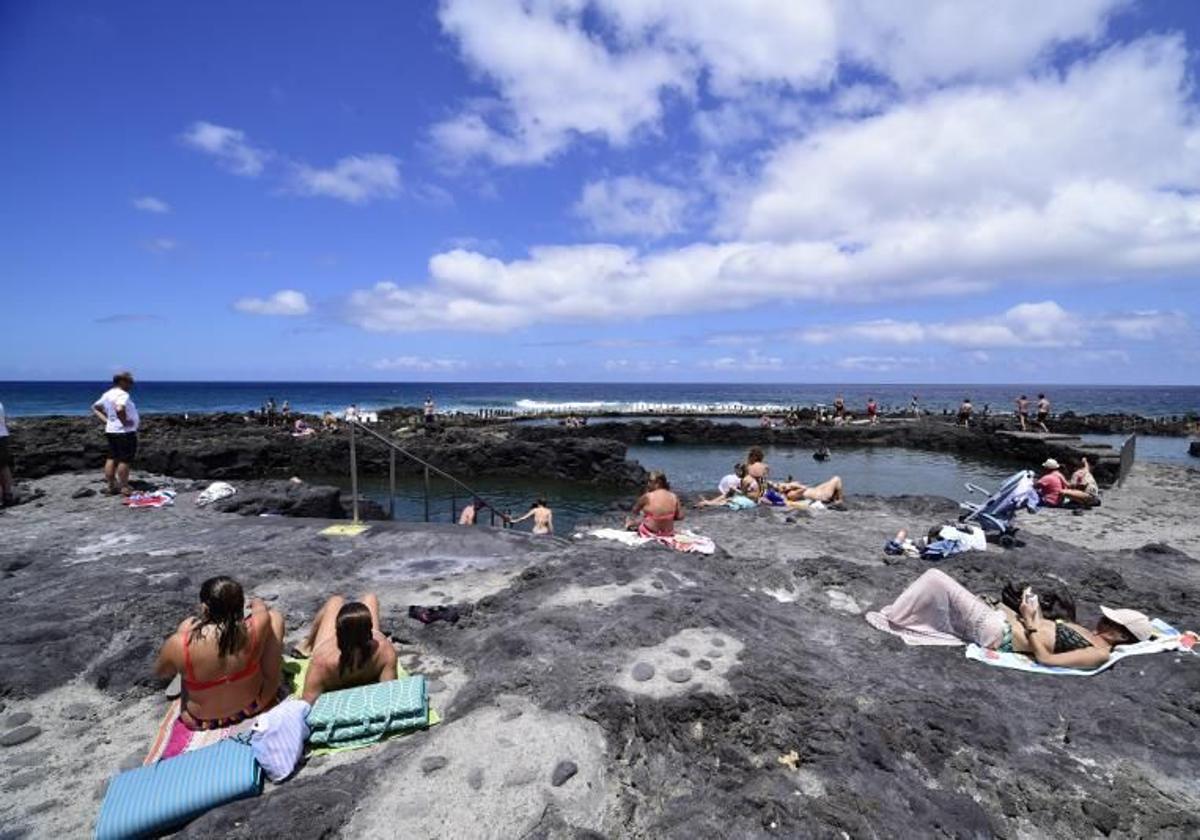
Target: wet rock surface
x=229, y=446
x=880, y=739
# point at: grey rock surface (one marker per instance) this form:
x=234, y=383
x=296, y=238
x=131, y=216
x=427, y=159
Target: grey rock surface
x=892, y=740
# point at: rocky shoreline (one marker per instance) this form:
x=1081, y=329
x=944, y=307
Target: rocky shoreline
x=231, y=446
x=740, y=694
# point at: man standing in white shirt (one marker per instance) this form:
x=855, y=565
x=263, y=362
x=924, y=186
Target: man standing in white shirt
x=6, y=479
x=116, y=410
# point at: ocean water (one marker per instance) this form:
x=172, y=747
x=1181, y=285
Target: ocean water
x=74, y=398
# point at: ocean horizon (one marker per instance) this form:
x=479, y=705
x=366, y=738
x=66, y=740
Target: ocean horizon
x=74, y=397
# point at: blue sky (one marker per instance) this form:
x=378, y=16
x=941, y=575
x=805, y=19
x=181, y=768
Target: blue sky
x=613, y=190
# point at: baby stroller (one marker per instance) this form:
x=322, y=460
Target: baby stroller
x=996, y=514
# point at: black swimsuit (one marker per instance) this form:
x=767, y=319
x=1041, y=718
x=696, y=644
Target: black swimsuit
x=1067, y=638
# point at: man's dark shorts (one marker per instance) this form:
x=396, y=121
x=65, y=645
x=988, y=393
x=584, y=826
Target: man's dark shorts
x=6, y=459
x=122, y=446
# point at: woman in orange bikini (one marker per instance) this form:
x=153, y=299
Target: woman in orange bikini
x=658, y=506
x=230, y=662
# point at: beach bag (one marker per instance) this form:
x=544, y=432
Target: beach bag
x=278, y=737
x=151, y=800
x=368, y=713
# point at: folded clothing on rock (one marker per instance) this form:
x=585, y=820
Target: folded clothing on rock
x=155, y=499
x=215, y=492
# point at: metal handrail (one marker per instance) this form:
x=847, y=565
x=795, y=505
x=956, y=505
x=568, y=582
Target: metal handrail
x=395, y=447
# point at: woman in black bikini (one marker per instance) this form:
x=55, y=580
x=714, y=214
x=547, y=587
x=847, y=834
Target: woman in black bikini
x=230, y=662
x=936, y=609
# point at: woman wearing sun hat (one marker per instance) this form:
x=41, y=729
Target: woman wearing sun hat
x=1051, y=485
x=936, y=609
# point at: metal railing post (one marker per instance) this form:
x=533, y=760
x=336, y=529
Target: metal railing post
x=392, y=480
x=426, y=493
x=353, y=473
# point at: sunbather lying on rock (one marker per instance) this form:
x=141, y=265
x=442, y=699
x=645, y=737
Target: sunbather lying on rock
x=937, y=610
x=346, y=647
x=230, y=662
x=829, y=491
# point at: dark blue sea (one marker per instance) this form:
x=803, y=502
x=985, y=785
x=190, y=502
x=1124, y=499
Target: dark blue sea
x=41, y=398
x=884, y=471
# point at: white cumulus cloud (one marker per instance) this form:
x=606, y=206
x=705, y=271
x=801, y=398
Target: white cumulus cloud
x=287, y=302
x=229, y=146
x=419, y=364
x=150, y=204
x=577, y=83
x=356, y=179
x=632, y=206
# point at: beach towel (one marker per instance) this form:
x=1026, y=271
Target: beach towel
x=684, y=541
x=149, y=801
x=173, y=738
x=1171, y=639
x=740, y=502
x=215, y=492
x=157, y=499
x=369, y=713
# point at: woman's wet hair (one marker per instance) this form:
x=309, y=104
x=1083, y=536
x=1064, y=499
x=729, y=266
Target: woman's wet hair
x=658, y=479
x=739, y=469
x=537, y=503
x=754, y=455
x=1055, y=600
x=223, y=605
x=1126, y=637
x=354, y=628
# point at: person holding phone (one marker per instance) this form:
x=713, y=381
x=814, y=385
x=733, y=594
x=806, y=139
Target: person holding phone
x=937, y=610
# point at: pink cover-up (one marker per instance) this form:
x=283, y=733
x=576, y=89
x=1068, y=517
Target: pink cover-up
x=937, y=610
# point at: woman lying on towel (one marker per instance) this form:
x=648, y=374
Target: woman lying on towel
x=829, y=492
x=230, y=662
x=658, y=506
x=937, y=610
x=346, y=647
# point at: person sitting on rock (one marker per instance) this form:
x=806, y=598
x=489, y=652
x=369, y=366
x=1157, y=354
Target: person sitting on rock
x=328, y=422
x=734, y=484
x=1052, y=485
x=301, y=428
x=937, y=610
x=758, y=470
x=828, y=492
x=346, y=648
x=230, y=663
x=658, y=506
x=542, y=515
x=1083, y=489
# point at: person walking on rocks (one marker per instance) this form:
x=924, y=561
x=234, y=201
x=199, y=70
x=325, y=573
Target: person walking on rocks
x=1022, y=410
x=964, y=412
x=117, y=411
x=430, y=412
x=839, y=409
x=872, y=410
x=6, y=478
x=542, y=515
x=1043, y=412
